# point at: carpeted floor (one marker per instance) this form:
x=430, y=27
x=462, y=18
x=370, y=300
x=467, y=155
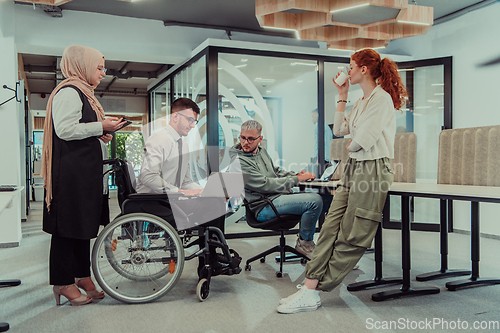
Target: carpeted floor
x=247, y=302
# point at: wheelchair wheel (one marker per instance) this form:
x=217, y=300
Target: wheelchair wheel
x=203, y=290
x=137, y=258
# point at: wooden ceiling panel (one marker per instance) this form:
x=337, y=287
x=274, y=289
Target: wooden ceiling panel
x=322, y=20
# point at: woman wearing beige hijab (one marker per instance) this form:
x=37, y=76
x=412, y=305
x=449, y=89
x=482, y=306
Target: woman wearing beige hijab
x=72, y=171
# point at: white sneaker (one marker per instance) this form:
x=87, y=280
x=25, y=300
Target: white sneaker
x=304, y=300
x=305, y=247
x=286, y=299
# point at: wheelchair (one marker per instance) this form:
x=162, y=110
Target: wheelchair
x=139, y=257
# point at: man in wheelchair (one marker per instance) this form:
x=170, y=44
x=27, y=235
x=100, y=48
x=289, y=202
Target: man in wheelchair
x=165, y=189
x=165, y=169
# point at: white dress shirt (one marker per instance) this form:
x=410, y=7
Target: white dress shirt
x=160, y=160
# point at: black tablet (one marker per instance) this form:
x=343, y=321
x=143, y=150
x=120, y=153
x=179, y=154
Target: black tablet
x=127, y=122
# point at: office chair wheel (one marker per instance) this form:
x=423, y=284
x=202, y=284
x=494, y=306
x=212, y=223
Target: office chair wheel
x=137, y=258
x=248, y=267
x=279, y=274
x=303, y=261
x=203, y=290
x=263, y=260
x=4, y=327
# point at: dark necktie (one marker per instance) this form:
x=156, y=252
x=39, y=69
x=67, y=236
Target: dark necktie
x=179, y=167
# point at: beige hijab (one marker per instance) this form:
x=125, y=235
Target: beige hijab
x=78, y=65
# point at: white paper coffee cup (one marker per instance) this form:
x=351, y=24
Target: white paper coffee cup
x=340, y=80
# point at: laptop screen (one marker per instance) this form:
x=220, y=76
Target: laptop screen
x=330, y=170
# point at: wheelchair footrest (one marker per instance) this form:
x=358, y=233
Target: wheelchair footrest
x=233, y=267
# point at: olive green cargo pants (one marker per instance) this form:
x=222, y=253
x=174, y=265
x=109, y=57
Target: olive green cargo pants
x=351, y=222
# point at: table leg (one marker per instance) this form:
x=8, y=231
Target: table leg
x=444, y=272
x=378, y=280
x=474, y=280
x=406, y=290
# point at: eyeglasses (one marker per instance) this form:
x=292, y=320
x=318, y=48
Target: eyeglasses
x=190, y=119
x=102, y=69
x=249, y=140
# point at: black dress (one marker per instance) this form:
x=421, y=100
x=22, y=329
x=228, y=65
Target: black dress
x=77, y=208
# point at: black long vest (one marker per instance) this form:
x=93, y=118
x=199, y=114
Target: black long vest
x=77, y=208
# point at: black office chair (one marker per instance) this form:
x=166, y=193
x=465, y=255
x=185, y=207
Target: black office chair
x=280, y=223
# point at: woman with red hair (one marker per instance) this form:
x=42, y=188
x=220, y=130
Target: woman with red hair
x=356, y=209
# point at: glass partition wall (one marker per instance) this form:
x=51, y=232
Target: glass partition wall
x=291, y=95
x=427, y=112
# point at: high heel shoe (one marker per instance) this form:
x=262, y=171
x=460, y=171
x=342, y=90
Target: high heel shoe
x=94, y=293
x=59, y=290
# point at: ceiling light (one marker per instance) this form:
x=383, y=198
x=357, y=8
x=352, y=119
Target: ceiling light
x=303, y=64
x=244, y=60
x=439, y=94
x=437, y=84
x=334, y=49
x=259, y=79
x=285, y=29
x=348, y=8
x=422, y=107
x=268, y=91
x=419, y=23
x=231, y=89
x=241, y=66
x=406, y=70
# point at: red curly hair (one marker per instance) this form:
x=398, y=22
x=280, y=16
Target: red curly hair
x=385, y=72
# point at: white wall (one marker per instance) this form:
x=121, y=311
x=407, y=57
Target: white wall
x=471, y=39
x=10, y=147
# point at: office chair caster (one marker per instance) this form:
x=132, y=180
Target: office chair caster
x=203, y=289
x=248, y=267
x=279, y=274
x=303, y=261
x=263, y=260
x=4, y=327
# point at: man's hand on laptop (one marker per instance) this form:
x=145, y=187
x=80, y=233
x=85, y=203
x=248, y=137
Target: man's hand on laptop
x=303, y=176
x=190, y=193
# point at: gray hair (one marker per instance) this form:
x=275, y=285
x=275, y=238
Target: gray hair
x=250, y=125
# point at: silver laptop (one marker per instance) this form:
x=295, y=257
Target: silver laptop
x=329, y=171
x=225, y=185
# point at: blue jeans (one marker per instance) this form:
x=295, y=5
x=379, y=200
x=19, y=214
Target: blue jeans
x=309, y=205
